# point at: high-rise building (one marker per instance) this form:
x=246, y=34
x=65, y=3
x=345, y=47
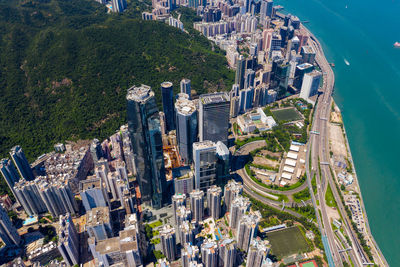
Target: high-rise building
x=8, y=233
x=239, y=206
x=178, y=200
x=266, y=9
x=189, y=254
x=235, y=100
x=168, y=242
x=21, y=163
x=299, y=73
x=310, y=85
x=240, y=70
x=98, y=223
x=250, y=75
x=96, y=150
x=28, y=195
x=209, y=253
x=271, y=96
x=308, y=54
x=68, y=241
x=214, y=194
x=247, y=229
x=182, y=214
x=186, y=87
x=227, y=253
x=197, y=205
x=223, y=162
x=118, y=5
x=167, y=94
x=144, y=128
x=186, y=127
x=93, y=194
x=205, y=164
x=214, y=117
x=183, y=180
x=231, y=190
x=186, y=233
x=257, y=253
x=9, y=173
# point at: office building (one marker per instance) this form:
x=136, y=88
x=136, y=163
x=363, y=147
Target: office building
x=186, y=128
x=235, y=101
x=145, y=134
x=250, y=75
x=118, y=5
x=227, y=253
x=240, y=70
x=183, y=180
x=8, y=233
x=168, y=242
x=167, y=95
x=209, y=253
x=98, y=223
x=189, y=254
x=214, y=117
x=231, y=190
x=186, y=233
x=299, y=73
x=266, y=9
x=271, y=96
x=186, y=87
x=214, y=198
x=197, y=205
x=205, y=164
x=310, y=85
x=239, y=206
x=10, y=174
x=257, y=253
x=93, y=194
x=68, y=241
x=21, y=163
x=247, y=229
x=308, y=54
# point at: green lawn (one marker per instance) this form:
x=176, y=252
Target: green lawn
x=329, y=199
x=287, y=242
x=286, y=114
x=155, y=224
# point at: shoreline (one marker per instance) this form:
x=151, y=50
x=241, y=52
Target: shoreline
x=369, y=232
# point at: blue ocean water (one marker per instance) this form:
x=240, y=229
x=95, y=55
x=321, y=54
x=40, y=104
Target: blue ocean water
x=367, y=90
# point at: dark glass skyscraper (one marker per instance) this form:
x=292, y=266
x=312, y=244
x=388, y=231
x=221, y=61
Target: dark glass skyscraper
x=21, y=163
x=168, y=105
x=240, y=70
x=145, y=132
x=214, y=117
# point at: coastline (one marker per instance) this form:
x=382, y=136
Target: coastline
x=366, y=222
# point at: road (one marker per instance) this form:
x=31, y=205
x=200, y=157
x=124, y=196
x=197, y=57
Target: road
x=319, y=150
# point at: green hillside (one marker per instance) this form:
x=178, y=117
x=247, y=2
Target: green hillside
x=65, y=66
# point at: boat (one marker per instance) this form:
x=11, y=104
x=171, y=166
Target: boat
x=397, y=44
x=346, y=6
x=332, y=65
x=347, y=63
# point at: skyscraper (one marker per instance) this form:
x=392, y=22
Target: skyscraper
x=197, y=205
x=96, y=150
x=167, y=94
x=214, y=194
x=186, y=233
x=178, y=200
x=168, y=242
x=235, y=100
x=239, y=206
x=68, y=242
x=189, y=254
x=310, y=84
x=9, y=173
x=266, y=9
x=247, y=229
x=250, y=75
x=227, y=253
x=240, y=70
x=186, y=87
x=231, y=190
x=8, y=233
x=93, y=194
x=214, y=117
x=257, y=252
x=144, y=128
x=21, y=163
x=186, y=127
x=118, y=5
x=209, y=253
x=205, y=164
x=28, y=195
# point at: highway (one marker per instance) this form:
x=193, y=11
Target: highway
x=319, y=150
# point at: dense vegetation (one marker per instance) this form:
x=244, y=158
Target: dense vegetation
x=65, y=66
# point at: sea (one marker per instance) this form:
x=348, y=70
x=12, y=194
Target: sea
x=358, y=37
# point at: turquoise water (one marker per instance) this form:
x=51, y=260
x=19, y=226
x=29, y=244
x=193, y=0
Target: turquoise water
x=368, y=93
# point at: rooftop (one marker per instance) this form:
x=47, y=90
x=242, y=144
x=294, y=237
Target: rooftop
x=97, y=216
x=140, y=93
x=214, y=98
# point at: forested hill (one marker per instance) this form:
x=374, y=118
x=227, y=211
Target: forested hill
x=65, y=66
